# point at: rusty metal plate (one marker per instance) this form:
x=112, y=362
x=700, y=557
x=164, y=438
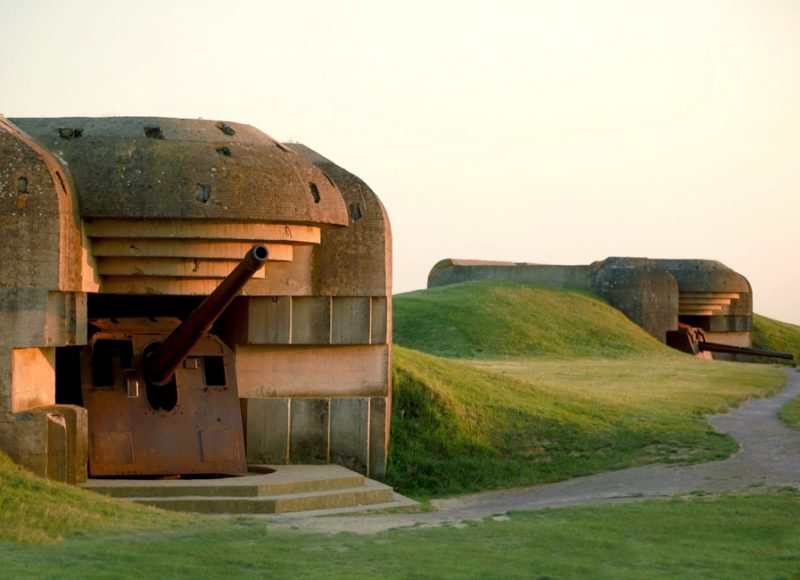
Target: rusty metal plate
x=200, y=434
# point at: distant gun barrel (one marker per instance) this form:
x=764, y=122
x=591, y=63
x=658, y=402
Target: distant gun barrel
x=160, y=364
x=693, y=341
x=716, y=347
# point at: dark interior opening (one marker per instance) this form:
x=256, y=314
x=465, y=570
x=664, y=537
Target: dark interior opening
x=122, y=306
x=703, y=322
x=214, y=371
x=109, y=357
x=180, y=307
x=68, y=375
x=164, y=397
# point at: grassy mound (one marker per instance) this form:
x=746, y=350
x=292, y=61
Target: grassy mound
x=462, y=426
x=493, y=320
x=33, y=510
x=552, y=384
x=775, y=335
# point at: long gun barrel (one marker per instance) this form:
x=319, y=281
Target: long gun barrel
x=716, y=347
x=693, y=341
x=161, y=363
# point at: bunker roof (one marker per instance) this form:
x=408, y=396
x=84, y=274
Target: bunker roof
x=163, y=168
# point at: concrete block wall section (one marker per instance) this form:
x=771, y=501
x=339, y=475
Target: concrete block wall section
x=349, y=431
x=267, y=430
x=29, y=443
x=308, y=320
x=316, y=369
x=33, y=378
x=381, y=320
x=643, y=290
x=452, y=271
x=291, y=416
x=351, y=320
x=379, y=418
x=42, y=304
x=77, y=445
x=309, y=429
x=5, y=382
x=51, y=441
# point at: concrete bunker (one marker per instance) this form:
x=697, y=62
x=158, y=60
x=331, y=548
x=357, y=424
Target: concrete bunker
x=661, y=296
x=114, y=220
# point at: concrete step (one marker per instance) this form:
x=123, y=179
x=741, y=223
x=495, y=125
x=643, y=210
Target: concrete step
x=398, y=504
x=268, y=480
x=272, y=490
x=371, y=492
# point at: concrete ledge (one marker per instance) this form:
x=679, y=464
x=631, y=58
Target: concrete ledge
x=263, y=480
x=289, y=488
x=293, y=502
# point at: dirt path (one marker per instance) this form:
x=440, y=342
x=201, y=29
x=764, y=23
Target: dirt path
x=769, y=455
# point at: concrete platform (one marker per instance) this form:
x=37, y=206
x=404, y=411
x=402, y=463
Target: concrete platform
x=271, y=489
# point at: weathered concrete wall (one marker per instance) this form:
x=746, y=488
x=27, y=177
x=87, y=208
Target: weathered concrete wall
x=316, y=368
x=451, y=271
x=212, y=170
x=642, y=289
x=353, y=261
x=312, y=371
x=33, y=378
x=42, y=304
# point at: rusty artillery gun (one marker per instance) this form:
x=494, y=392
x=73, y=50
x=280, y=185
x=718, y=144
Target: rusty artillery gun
x=162, y=395
x=692, y=340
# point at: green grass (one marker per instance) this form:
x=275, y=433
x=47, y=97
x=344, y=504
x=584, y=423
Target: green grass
x=33, y=510
x=462, y=426
x=790, y=413
x=772, y=334
x=507, y=319
x=750, y=536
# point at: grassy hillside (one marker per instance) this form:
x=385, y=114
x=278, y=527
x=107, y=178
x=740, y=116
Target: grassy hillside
x=33, y=510
x=461, y=426
x=506, y=319
x=775, y=335
x=551, y=384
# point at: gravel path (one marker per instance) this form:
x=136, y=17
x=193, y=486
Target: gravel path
x=769, y=455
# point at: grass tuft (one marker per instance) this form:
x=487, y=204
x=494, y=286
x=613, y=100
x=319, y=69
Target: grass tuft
x=790, y=413
x=37, y=511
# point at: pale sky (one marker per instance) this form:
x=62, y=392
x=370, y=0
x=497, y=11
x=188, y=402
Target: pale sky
x=557, y=132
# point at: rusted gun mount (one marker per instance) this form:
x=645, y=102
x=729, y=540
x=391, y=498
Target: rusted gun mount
x=693, y=341
x=162, y=395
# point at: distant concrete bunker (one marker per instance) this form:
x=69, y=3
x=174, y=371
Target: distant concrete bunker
x=661, y=296
x=115, y=229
